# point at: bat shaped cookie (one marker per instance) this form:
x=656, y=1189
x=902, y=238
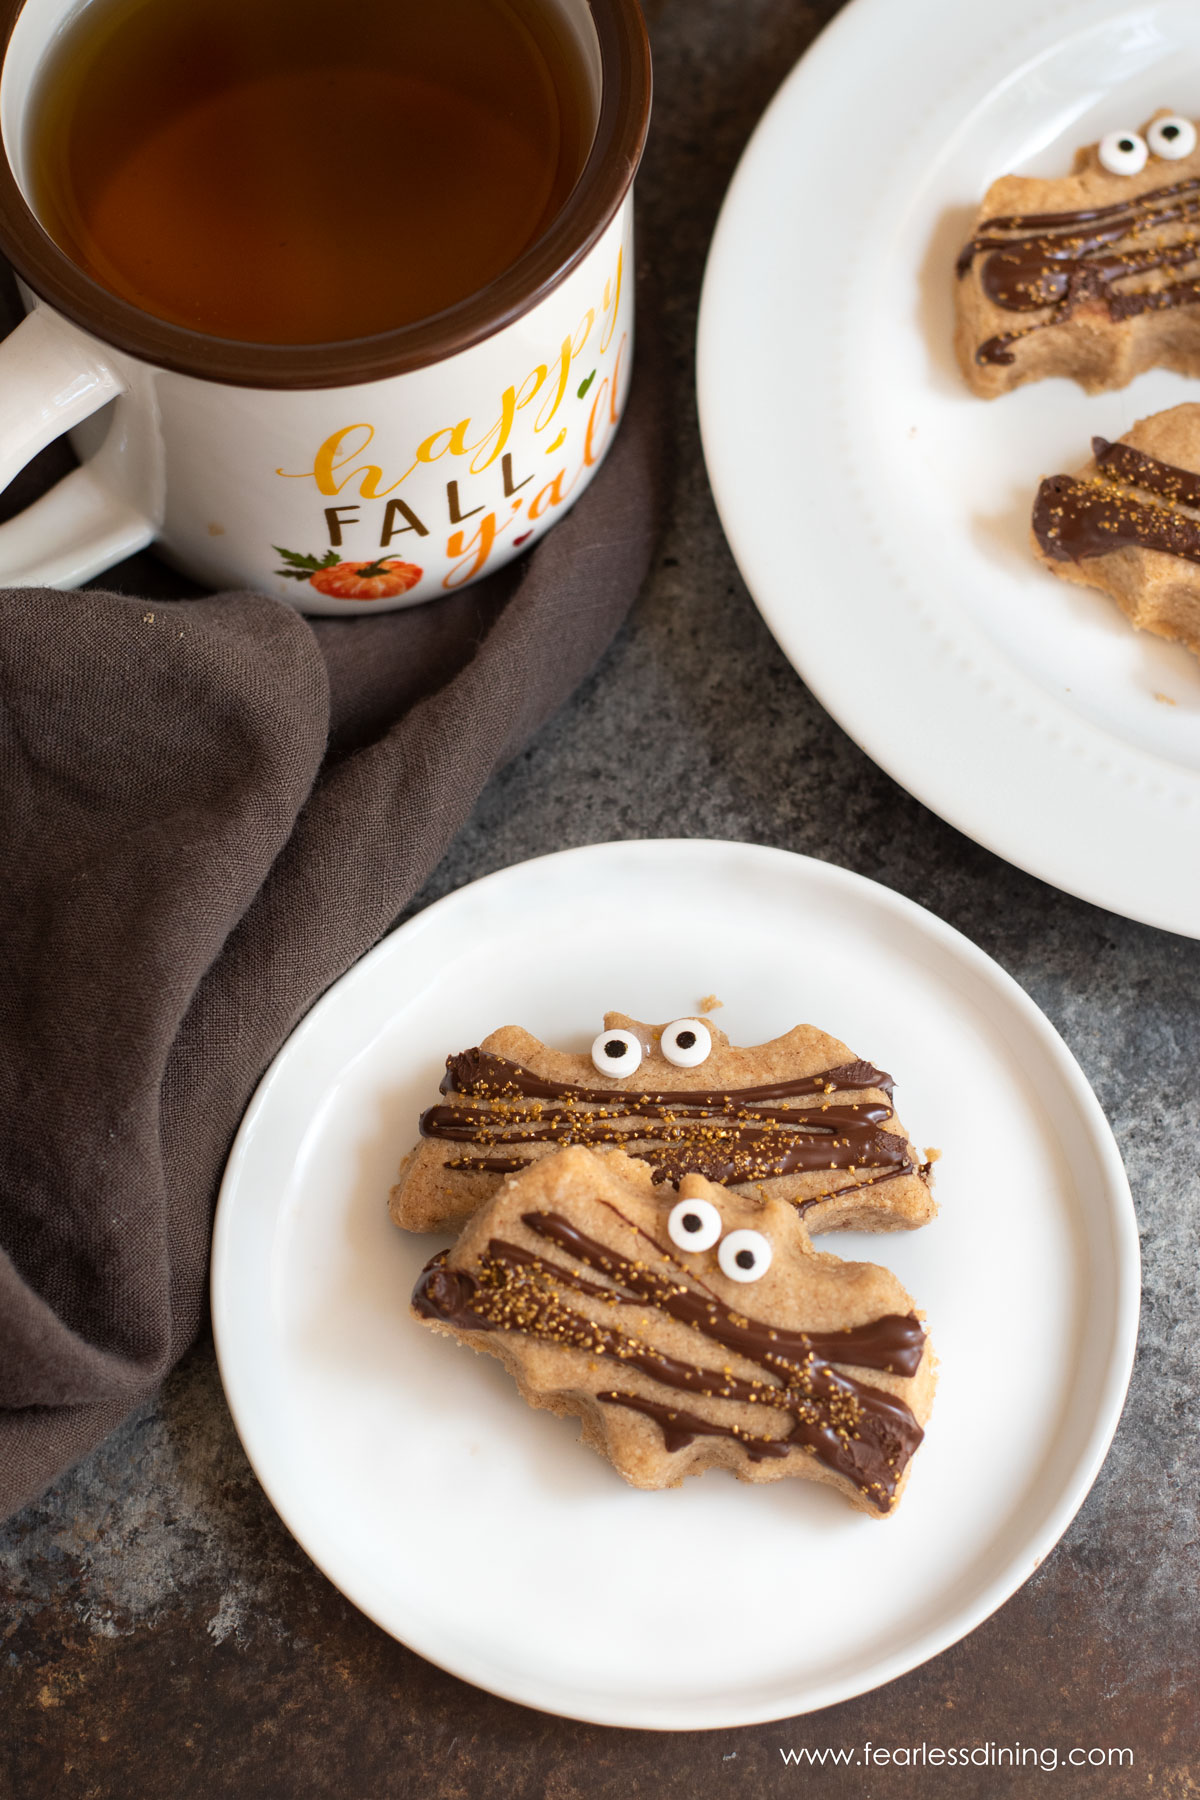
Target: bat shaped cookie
x=1096, y=275
x=1129, y=523
x=798, y=1119
x=688, y=1330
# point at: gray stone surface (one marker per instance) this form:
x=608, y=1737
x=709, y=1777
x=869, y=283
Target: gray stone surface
x=163, y=1635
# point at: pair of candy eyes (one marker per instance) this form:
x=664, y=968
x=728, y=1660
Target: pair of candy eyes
x=687, y=1043
x=697, y=1225
x=1125, y=152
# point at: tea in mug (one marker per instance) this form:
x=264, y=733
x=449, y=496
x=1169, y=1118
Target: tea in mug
x=302, y=171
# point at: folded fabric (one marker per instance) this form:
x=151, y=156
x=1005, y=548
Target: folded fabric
x=209, y=809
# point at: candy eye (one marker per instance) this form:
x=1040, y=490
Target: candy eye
x=695, y=1225
x=1172, y=138
x=686, y=1043
x=1123, y=153
x=617, y=1053
x=744, y=1255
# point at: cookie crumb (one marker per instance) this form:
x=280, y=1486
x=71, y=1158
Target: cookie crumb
x=1166, y=699
x=932, y=1156
x=710, y=1003
x=147, y=618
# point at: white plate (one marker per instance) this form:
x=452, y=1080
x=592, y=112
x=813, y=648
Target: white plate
x=880, y=512
x=481, y=1533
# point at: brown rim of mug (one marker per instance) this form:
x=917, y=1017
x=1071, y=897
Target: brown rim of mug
x=589, y=208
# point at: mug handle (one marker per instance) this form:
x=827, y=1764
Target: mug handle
x=51, y=379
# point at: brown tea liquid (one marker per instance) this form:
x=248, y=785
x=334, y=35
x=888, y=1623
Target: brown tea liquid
x=305, y=171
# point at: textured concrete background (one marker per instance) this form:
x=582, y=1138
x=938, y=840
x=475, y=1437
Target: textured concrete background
x=162, y=1634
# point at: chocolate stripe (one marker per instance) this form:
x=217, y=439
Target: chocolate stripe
x=460, y=1121
x=1181, y=293
x=511, y=1165
x=753, y=1338
x=894, y=1342
x=1065, y=260
x=731, y=1136
x=1135, y=467
x=544, y=1126
x=1074, y=520
x=1153, y=199
x=481, y=1073
x=681, y=1429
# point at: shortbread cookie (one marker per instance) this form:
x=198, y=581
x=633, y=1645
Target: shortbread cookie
x=1095, y=276
x=1129, y=524
x=688, y=1330
x=799, y=1118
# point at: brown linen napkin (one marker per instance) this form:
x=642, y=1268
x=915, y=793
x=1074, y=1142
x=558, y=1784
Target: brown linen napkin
x=209, y=809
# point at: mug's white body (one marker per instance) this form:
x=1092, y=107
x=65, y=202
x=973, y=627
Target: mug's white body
x=425, y=480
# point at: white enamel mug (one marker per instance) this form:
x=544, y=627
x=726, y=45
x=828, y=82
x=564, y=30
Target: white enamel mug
x=342, y=478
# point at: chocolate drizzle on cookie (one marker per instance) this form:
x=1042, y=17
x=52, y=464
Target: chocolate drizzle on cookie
x=1109, y=256
x=731, y=1136
x=1132, y=501
x=862, y=1432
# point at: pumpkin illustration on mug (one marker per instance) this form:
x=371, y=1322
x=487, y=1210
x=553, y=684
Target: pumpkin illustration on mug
x=379, y=579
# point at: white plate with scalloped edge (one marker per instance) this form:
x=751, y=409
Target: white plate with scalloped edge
x=879, y=512
x=482, y=1533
